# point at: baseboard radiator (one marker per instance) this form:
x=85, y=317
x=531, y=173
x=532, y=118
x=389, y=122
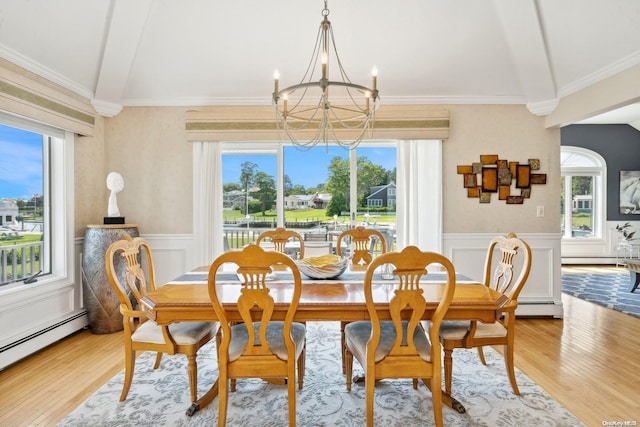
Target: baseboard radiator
x=19, y=349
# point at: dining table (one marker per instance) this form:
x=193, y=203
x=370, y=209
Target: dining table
x=186, y=298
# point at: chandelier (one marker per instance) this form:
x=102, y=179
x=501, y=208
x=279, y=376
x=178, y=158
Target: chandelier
x=306, y=114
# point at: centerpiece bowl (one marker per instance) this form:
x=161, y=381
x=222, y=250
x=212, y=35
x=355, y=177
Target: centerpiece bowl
x=323, y=267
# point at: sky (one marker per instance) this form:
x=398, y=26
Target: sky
x=306, y=168
x=20, y=163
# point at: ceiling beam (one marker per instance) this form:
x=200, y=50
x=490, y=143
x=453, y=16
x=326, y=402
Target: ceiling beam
x=126, y=26
x=525, y=37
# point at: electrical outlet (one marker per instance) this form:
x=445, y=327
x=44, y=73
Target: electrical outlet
x=540, y=212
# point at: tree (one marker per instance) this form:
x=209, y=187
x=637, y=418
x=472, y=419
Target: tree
x=338, y=186
x=266, y=192
x=231, y=186
x=287, y=185
x=247, y=175
x=336, y=205
x=297, y=189
x=369, y=175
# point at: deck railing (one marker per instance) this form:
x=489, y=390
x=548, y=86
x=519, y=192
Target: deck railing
x=19, y=261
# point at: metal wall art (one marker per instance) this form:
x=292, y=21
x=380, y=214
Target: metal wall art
x=494, y=175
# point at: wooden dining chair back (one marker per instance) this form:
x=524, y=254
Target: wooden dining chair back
x=130, y=270
x=317, y=248
x=400, y=347
x=360, y=239
x=507, y=266
x=256, y=345
x=279, y=237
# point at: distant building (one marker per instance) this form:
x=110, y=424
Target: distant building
x=236, y=198
x=8, y=211
x=321, y=200
x=298, y=201
x=382, y=196
x=307, y=201
x=582, y=203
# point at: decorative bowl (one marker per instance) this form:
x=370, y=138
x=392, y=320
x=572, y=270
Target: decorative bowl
x=323, y=267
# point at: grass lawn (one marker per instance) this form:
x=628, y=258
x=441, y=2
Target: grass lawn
x=26, y=238
x=305, y=215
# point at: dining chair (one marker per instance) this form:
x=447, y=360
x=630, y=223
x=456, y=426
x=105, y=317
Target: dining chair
x=506, y=257
x=361, y=239
x=315, y=249
x=141, y=334
x=400, y=347
x=259, y=346
x=280, y=237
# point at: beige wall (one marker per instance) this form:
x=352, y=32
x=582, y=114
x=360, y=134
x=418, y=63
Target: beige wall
x=514, y=134
x=148, y=147
x=90, y=179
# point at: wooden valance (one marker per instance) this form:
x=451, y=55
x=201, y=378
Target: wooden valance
x=28, y=95
x=258, y=123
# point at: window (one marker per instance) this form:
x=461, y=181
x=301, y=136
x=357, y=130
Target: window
x=36, y=169
x=270, y=184
x=582, y=193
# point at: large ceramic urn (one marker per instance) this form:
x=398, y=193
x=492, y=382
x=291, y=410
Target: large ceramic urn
x=101, y=303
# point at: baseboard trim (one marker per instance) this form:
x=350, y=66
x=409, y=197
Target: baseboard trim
x=17, y=350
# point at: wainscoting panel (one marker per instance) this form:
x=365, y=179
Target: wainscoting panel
x=542, y=293
x=172, y=255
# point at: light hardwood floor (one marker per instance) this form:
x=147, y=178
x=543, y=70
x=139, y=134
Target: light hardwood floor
x=589, y=361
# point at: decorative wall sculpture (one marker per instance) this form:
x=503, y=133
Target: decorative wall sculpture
x=501, y=177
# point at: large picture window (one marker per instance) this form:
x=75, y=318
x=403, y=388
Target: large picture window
x=316, y=190
x=411, y=184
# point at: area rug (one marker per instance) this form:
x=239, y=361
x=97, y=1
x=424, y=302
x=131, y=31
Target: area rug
x=609, y=289
x=161, y=397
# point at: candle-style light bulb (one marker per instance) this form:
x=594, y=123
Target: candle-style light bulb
x=324, y=59
x=276, y=77
x=285, y=98
x=374, y=75
x=367, y=96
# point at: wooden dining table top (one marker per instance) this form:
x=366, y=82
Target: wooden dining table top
x=341, y=299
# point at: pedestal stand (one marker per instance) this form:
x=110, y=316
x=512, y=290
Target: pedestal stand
x=103, y=307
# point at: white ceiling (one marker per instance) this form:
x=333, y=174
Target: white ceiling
x=223, y=52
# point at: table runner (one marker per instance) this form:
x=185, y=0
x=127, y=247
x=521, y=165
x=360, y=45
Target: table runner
x=199, y=277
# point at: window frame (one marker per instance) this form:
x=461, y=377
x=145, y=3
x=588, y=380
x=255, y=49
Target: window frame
x=58, y=205
x=599, y=199
x=277, y=148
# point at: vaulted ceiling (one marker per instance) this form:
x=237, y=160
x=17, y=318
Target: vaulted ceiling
x=224, y=52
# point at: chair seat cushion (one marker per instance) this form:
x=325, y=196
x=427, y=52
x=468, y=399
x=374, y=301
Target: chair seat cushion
x=455, y=330
x=275, y=337
x=183, y=333
x=357, y=335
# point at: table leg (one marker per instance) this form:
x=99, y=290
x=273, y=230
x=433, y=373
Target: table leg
x=635, y=280
x=206, y=398
x=449, y=400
